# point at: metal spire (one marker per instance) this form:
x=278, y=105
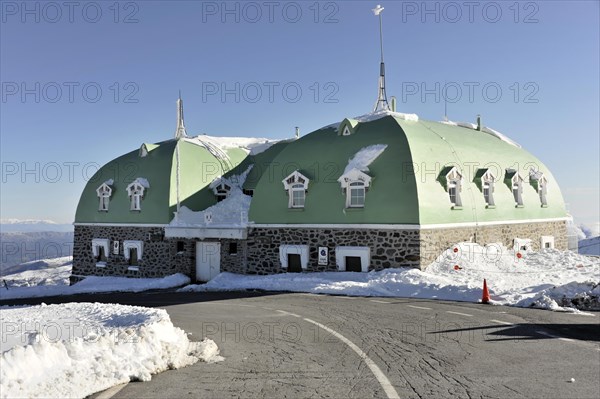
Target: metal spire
x=382, y=103
x=180, y=132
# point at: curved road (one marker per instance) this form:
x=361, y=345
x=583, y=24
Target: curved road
x=302, y=345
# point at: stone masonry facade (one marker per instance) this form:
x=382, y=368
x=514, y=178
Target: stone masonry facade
x=259, y=253
x=160, y=257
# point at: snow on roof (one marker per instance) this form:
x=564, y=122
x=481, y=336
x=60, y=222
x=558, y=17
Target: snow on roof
x=231, y=212
x=363, y=158
x=484, y=129
x=535, y=174
x=383, y=113
x=109, y=182
x=250, y=144
x=142, y=181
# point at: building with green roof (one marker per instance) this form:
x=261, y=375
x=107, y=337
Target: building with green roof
x=381, y=190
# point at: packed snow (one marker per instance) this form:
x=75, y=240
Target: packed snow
x=484, y=129
x=55, y=281
x=231, y=212
x=142, y=181
x=75, y=349
x=514, y=278
x=363, y=158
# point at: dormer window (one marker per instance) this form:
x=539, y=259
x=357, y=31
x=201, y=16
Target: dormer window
x=296, y=185
x=347, y=127
x=135, y=191
x=517, y=189
x=485, y=180
x=451, y=179
x=104, y=192
x=540, y=183
x=221, y=191
x=355, y=185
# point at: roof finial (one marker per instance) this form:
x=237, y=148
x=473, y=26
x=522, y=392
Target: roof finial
x=180, y=132
x=382, y=103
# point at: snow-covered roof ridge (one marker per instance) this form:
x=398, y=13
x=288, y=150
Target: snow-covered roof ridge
x=484, y=129
x=364, y=157
x=233, y=180
x=372, y=116
x=253, y=145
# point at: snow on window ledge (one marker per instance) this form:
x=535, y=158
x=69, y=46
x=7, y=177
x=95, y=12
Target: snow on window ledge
x=133, y=268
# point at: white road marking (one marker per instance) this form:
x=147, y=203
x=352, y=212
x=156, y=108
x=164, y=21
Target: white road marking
x=502, y=322
x=375, y=300
x=383, y=380
x=345, y=297
x=112, y=391
x=246, y=306
x=555, y=336
x=288, y=313
x=460, y=314
x=418, y=307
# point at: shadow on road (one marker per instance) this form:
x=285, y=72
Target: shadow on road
x=526, y=332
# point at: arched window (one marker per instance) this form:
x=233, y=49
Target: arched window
x=355, y=184
x=296, y=185
x=517, y=189
x=453, y=179
x=135, y=190
x=357, y=194
x=104, y=192
x=540, y=183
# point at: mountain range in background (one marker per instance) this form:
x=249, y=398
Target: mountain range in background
x=32, y=225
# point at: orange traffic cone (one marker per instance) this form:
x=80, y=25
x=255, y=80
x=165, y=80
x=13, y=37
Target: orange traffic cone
x=485, y=298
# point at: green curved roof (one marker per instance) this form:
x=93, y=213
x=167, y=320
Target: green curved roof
x=405, y=188
x=198, y=168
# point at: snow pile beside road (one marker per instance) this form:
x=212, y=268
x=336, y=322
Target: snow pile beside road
x=513, y=277
x=76, y=349
x=55, y=282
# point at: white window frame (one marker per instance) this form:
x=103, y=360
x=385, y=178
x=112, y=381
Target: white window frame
x=129, y=244
x=522, y=244
x=346, y=131
x=517, y=189
x=454, y=184
x=358, y=187
x=286, y=249
x=135, y=192
x=351, y=179
x=363, y=252
x=488, y=181
x=96, y=244
x=295, y=183
x=104, y=193
x=546, y=240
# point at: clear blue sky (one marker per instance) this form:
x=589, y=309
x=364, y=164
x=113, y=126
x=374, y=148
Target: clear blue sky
x=543, y=56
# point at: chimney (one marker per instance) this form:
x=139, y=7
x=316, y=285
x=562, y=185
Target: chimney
x=297, y=132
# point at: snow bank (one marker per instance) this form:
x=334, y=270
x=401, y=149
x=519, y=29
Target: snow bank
x=76, y=349
x=56, y=282
x=513, y=277
x=363, y=158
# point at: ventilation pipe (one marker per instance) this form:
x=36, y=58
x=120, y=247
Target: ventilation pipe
x=297, y=132
x=393, y=103
x=479, y=125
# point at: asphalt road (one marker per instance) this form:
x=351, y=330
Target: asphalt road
x=301, y=345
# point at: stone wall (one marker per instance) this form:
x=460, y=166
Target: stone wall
x=389, y=248
x=435, y=241
x=160, y=256
x=259, y=254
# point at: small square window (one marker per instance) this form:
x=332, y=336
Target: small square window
x=180, y=246
x=233, y=248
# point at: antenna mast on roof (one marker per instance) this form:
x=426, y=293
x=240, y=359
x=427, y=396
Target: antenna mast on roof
x=180, y=132
x=382, y=103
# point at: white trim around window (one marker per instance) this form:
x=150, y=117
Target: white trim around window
x=129, y=244
x=363, y=252
x=285, y=250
